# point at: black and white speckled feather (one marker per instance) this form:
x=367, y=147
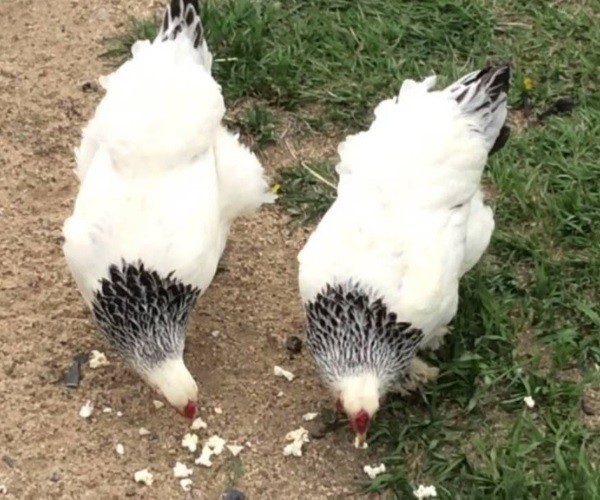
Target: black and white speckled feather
x=142, y=314
x=351, y=331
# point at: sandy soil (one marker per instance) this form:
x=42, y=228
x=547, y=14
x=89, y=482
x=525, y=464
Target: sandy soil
x=48, y=50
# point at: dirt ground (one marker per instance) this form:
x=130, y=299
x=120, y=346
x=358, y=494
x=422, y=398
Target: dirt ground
x=48, y=50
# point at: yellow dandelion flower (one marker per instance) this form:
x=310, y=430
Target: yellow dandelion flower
x=275, y=188
x=527, y=84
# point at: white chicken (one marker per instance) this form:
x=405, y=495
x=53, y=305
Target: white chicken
x=379, y=276
x=161, y=181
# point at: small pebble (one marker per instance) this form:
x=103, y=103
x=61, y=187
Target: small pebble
x=158, y=404
x=3, y=489
x=107, y=409
x=119, y=414
x=55, y=477
x=73, y=376
x=120, y=449
x=218, y=410
x=280, y=394
x=293, y=344
x=215, y=334
x=233, y=494
x=143, y=431
x=307, y=417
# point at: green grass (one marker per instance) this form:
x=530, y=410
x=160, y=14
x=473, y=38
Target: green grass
x=528, y=322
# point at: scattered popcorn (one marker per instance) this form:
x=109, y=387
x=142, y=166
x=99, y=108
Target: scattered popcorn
x=198, y=424
x=358, y=446
x=158, y=404
x=120, y=449
x=235, y=449
x=280, y=372
x=307, y=417
x=186, y=484
x=216, y=444
x=86, y=410
x=218, y=410
x=298, y=438
x=143, y=431
x=373, y=472
x=181, y=470
x=425, y=492
x=190, y=441
x=529, y=402
x=144, y=476
x=98, y=359
x=107, y=409
x=204, y=458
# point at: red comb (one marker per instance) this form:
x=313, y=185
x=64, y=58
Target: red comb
x=361, y=422
x=190, y=410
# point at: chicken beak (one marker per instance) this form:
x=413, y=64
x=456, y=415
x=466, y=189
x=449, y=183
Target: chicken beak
x=360, y=440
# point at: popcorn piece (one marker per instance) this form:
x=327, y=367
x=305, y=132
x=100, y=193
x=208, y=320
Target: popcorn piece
x=190, y=441
x=144, y=476
x=425, y=492
x=373, y=472
x=204, y=458
x=307, y=417
x=280, y=372
x=216, y=444
x=98, y=359
x=298, y=438
x=235, y=449
x=186, y=484
x=198, y=424
x=158, y=404
x=120, y=449
x=107, y=409
x=86, y=410
x=143, y=431
x=181, y=470
x=529, y=401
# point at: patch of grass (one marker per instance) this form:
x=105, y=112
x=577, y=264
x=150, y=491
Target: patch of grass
x=259, y=123
x=307, y=190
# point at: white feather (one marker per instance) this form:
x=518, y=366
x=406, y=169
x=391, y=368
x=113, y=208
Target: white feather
x=408, y=220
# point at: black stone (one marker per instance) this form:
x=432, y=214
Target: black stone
x=233, y=494
x=293, y=344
